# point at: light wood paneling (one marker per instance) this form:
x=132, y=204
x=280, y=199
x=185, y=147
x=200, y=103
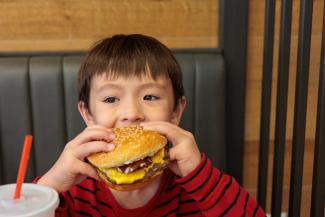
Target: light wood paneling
x=74, y=25
x=48, y=25
x=253, y=100
x=251, y=168
x=255, y=63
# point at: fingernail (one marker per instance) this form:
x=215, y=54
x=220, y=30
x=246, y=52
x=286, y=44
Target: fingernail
x=144, y=125
x=112, y=136
x=110, y=147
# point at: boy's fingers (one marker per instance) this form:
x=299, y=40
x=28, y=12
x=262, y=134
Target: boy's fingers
x=94, y=134
x=88, y=170
x=171, y=131
x=93, y=147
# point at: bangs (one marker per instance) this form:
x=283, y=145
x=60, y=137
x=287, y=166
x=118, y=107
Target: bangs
x=125, y=57
x=134, y=65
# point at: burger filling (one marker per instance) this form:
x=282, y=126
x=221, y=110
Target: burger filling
x=135, y=166
x=130, y=173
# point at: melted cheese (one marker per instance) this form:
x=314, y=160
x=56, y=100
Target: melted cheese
x=122, y=178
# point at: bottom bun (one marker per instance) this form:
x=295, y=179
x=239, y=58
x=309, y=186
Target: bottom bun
x=129, y=187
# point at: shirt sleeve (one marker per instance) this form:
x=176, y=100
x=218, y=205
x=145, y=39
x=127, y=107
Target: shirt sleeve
x=218, y=194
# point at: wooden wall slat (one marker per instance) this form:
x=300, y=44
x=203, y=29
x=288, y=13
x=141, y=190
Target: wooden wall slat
x=47, y=25
x=254, y=68
x=75, y=25
x=253, y=96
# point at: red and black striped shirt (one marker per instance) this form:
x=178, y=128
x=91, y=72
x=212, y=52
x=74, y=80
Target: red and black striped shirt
x=204, y=192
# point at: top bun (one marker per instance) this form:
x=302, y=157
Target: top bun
x=132, y=143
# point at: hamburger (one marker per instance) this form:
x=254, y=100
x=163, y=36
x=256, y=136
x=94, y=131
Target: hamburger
x=139, y=156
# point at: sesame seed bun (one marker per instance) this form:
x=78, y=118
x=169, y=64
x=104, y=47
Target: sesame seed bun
x=133, y=145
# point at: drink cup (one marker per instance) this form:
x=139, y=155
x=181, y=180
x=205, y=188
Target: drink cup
x=35, y=201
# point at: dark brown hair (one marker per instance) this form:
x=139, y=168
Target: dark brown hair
x=129, y=55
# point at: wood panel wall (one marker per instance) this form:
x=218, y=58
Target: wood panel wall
x=39, y=25
x=253, y=98
x=42, y=25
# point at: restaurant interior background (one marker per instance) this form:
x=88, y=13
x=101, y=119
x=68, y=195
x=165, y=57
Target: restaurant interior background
x=65, y=25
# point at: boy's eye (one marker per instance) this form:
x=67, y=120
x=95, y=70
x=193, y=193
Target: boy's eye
x=111, y=99
x=150, y=97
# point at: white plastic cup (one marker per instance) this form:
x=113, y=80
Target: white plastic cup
x=35, y=201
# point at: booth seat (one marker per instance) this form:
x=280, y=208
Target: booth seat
x=38, y=96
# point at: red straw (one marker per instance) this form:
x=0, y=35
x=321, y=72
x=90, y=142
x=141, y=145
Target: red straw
x=23, y=165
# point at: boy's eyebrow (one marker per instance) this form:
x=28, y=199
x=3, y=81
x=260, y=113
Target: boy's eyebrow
x=154, y=85
x=112, y=86
x=143, y=86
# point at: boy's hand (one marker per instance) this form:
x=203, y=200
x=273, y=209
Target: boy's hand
x=184, y=155
x=70, y=168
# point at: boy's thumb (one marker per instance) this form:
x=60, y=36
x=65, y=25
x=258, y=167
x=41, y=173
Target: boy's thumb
x=90, y=171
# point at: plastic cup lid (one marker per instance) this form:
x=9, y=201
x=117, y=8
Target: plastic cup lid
x=35, y=199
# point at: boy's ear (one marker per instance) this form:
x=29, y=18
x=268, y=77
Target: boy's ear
x=86, y=115
x=178, y=111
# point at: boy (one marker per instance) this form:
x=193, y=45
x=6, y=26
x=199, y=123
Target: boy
x=134, y=79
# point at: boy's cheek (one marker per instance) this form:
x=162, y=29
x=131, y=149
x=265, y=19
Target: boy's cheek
x=161, y=115
x=114, y=118
x=105, y=120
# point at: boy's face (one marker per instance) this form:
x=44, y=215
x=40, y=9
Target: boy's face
x=124, y=101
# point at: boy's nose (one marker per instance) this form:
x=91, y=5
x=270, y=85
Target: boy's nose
x=132, y=114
